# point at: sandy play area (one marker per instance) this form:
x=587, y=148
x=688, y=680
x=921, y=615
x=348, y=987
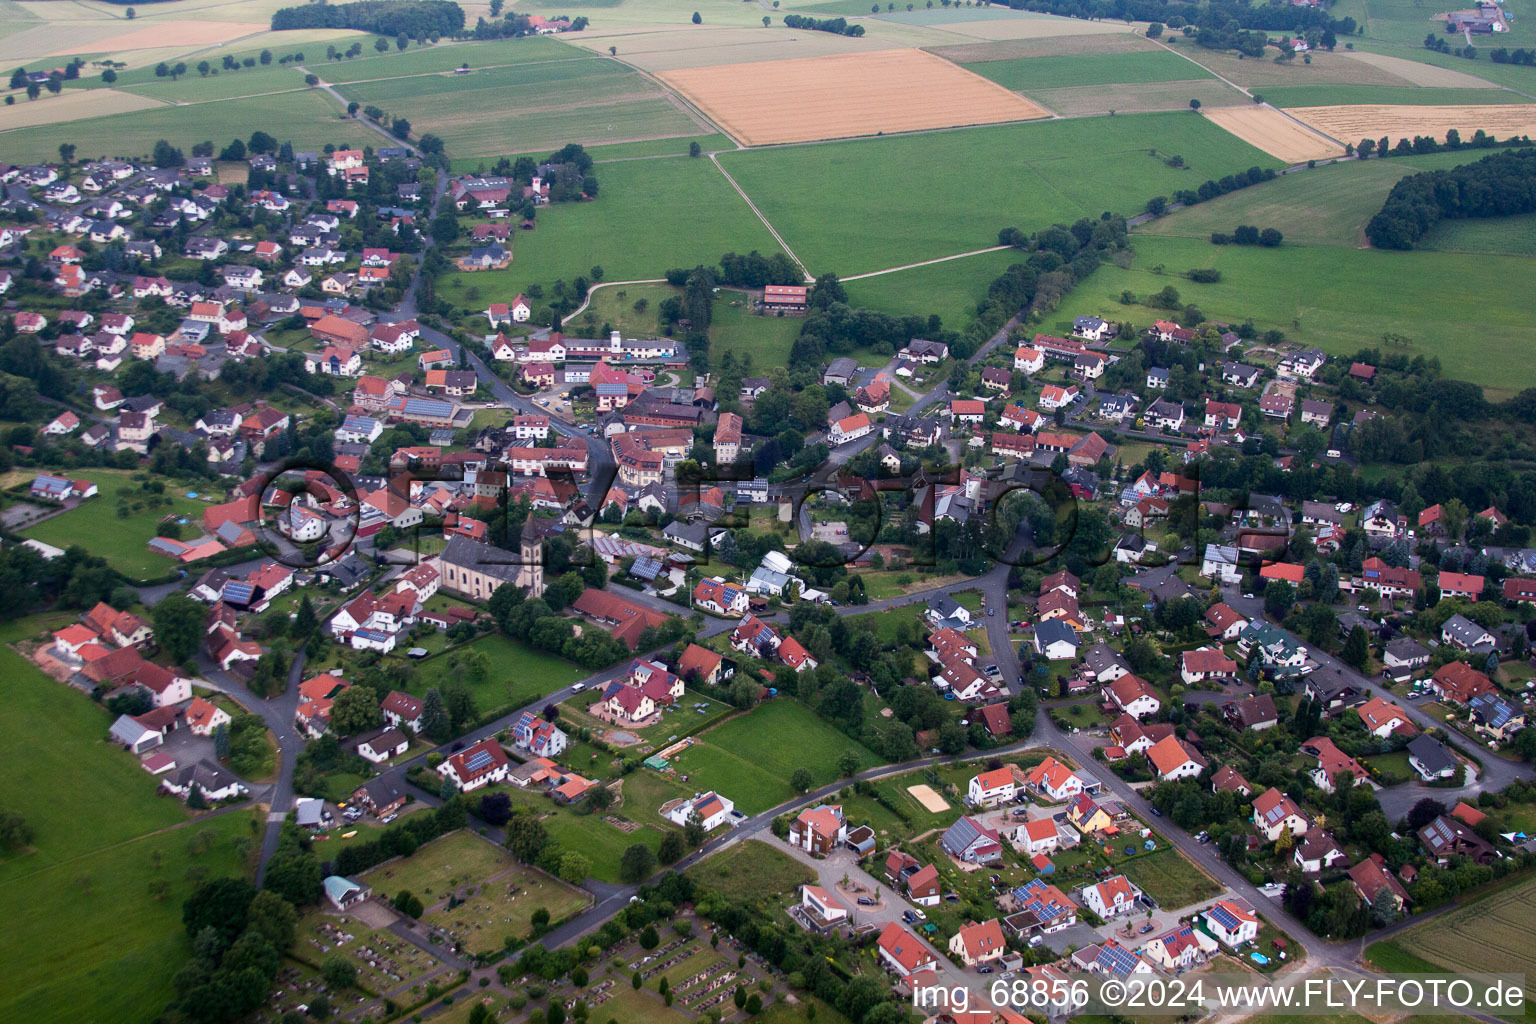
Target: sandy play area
x=931, y=801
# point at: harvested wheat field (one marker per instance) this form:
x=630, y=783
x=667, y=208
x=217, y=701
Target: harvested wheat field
x=1274, y=133
x=167, y=33
x=931, y=801
x=72, y=105
x=674, y=50
x=1052, y=46
x=1373, y=120
x=845, y=95
x=1039, y=26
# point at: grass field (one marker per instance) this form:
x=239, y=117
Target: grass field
x=750, y=869
x=1029, y=73
x=307, y=119
x=769, y=744
x=84, y=938
x=767, y=339
x=1149, y=97
x=446, y=57
x=95, y=525
x=504, y=907
x=870, y=204
x=559, y=101
x=1514, y=236
x=650, y=215
x=1342, y=299
x=518, y=674
x=443, y=865
x=952, y=289
x=1169, y=878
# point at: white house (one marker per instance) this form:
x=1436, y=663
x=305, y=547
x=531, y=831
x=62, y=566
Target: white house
x=383, y=744
x=1221, y=563
x=1111, y=897
x=989, y=789
x=1274, y=812
x=1231, y=924
x=713, y=810
x=821, y=905
x=1054, y=781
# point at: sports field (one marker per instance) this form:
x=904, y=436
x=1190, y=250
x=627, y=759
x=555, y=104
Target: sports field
x=1342, y=300
x=1374, y=120
x=845, y=95
x=1274, y=133
x=1026, y=74
x=870, y=204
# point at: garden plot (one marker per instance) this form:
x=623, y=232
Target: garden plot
x=846, y=95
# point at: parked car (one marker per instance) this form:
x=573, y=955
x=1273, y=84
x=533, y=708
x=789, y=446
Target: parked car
x=865, y=901
x=1157, y=812
x=983, y=970
x=1146, y=928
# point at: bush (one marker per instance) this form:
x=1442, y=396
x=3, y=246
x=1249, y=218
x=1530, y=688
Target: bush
x=1204, y=275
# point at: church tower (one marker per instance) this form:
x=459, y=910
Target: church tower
x=530, y=573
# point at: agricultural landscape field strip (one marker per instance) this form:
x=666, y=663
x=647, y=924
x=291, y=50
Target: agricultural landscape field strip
x=671, y=51
x=846, y=95
x=856, y=206
x=1053, y=46
x=1137, y=99
x=447, y=56
x=1026, y=74
x=71, y=106
x=1274, y=133
x=1490, y=935
x=1373, y=120
x=164, y=33
x=1326, y=68
x=1039, y=27
x=1288, y=96
x=1419, y=73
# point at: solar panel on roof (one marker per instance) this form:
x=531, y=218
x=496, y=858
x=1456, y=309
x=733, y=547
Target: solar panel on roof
x=1117, y=960
x=479, y=761
x=1224, y=917
x=238, y=592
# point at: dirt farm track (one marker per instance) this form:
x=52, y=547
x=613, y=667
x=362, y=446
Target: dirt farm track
x=1373, y=120
x=844, y=95
x=1274, y=133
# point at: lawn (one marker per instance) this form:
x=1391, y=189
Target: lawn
x=95, y=525
x=560, y=101
x=649, y=215
x=952, y=289
x=443, y=865
x=869, y=204
x=1028, y=73
x=772, y=741
x=1169, y=878
x=749, y=869
x=1341, y=300
x=308, y=119
x=518, y=674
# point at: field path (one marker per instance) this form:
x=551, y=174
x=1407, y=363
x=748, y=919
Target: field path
x=925, y=263
x=606, y=284
x=766, y=223
x=330, y=90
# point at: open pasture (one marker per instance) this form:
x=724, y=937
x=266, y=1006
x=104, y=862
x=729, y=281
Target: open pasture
x=446, y=56
x=951, y=289
x=1357, y=121
x=858, y=206
x=1425, y=75
x=1274, y=133
x=1344, y=299
x=846, y=95
x=71, y=106
x=1083, y=100
x=193, y=88
x=1027, y=74
x=1326, y=68
x=307, y=118
x=650, y=215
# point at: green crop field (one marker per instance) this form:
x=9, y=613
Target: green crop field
x=952, y=289
x=1342, y=299
x=193, y=87
x=307, y=119
x=1514, y=236
x=84, y=936
x=676, y=146
x=1488, y=935
x=1028, y=73
x=649, y=215
x=751, y=757
x=95, y=525
x=440, y=58
x=750, y=869
x=1169, y=878
x=869, y=204
x=1338, y=95
x=587, y=101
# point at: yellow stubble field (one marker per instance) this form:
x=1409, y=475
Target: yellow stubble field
x=1274, y=133
x=844, y=95
x=1373, y=120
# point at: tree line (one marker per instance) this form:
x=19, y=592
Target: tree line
x=1500, y=185
x=415, y=18
x=837, y=26
x=1218, y=24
